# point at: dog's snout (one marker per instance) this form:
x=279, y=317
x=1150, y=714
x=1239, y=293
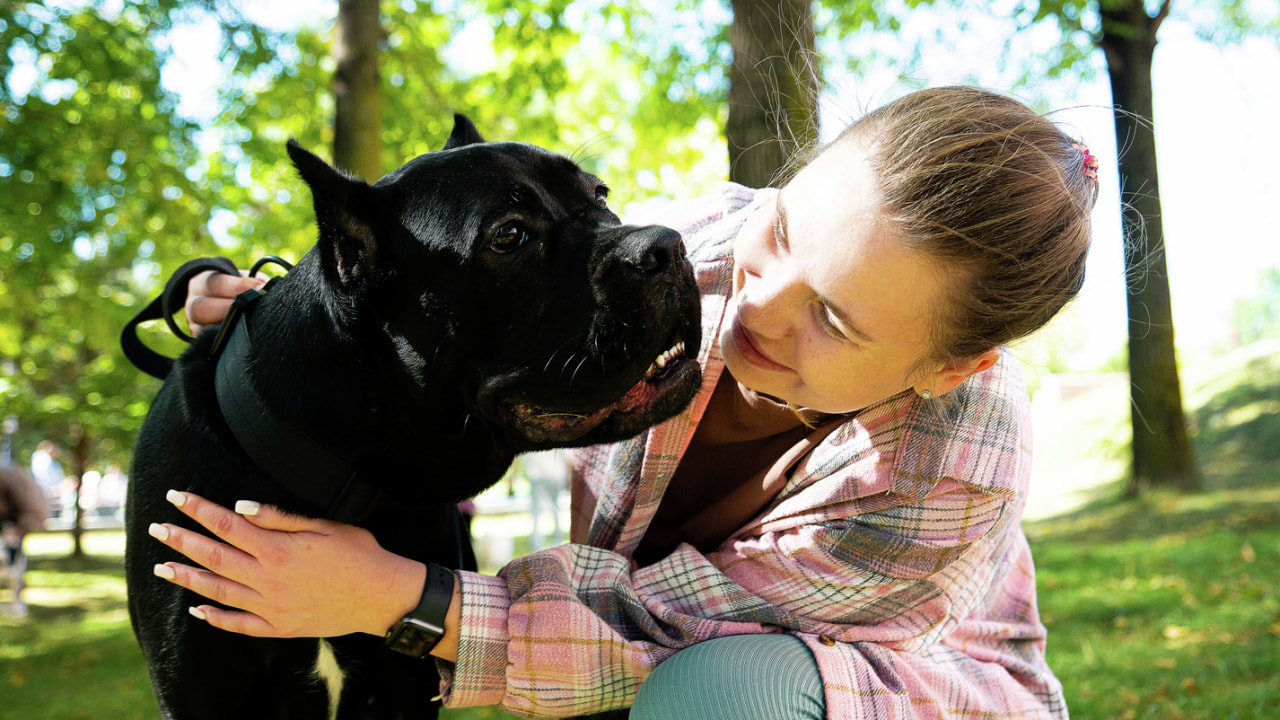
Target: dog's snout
x=654, y=249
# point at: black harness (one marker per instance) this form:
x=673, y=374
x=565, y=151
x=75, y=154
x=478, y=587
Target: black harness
x=286, y=453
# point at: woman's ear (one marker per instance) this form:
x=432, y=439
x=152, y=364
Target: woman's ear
x=944, y=380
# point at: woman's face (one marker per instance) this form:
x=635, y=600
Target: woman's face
x=830, y=310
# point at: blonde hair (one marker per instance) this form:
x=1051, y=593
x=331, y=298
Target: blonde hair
x=994, y=191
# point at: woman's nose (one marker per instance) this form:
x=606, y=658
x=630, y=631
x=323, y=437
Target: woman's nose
x=769, y=303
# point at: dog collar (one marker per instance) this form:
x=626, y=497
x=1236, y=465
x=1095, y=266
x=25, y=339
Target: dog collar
x=286, y=453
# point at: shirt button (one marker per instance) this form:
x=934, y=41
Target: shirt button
x=826, y=640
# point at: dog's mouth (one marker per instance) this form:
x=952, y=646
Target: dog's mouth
x=667, y=373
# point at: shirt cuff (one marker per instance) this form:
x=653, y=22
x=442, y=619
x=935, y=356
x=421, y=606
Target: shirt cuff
x=479, y=677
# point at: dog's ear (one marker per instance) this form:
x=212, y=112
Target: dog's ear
x=464, y=133
x=347, y=245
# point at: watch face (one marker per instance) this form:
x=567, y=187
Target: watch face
x=414, y=637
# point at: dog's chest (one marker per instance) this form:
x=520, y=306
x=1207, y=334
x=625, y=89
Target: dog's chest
x=330, y=674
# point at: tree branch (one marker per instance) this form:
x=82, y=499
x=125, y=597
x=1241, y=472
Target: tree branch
x=1161, y=14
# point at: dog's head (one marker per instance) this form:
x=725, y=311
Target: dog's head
x=504, y=285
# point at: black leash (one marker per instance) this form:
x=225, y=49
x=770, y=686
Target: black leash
x=169, y=302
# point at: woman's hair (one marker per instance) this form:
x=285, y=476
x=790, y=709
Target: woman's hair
x=989, y=188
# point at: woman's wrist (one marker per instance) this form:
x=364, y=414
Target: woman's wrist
x=447, y=648
x=404, y=588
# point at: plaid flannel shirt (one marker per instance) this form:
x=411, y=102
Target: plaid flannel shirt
x=894, y=553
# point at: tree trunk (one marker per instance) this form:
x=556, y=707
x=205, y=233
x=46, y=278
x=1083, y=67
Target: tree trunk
x=1161, y=450
x=81, y=465
x=773, y=88
x=357, y=124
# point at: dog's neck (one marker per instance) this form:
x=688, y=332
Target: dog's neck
x=343, y=400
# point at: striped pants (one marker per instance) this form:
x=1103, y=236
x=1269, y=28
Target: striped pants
x=743, y=677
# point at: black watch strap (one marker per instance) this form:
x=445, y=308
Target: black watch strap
x=419, y=631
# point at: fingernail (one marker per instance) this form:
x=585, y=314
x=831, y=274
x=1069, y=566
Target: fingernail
x=163, y=571
x=247, y=507
x=197, y=613
x=175, y=497
x=158, y=531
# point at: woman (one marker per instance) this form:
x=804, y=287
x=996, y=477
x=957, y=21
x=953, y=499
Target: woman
x=832, y=529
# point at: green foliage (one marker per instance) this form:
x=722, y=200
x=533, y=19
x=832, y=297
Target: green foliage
x=649, y=127
x=92, y=161
x=1255, y=318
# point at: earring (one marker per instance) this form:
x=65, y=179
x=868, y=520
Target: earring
x=926, y=394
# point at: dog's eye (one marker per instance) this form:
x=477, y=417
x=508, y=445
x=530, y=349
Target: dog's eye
x=508, y=237
x=602, y=196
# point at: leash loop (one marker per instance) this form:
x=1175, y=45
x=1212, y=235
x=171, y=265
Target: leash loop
x=173, y=298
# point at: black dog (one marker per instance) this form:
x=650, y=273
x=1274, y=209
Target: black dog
x=479, y=302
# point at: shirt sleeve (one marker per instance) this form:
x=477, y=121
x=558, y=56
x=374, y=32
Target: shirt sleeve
x=576, y=629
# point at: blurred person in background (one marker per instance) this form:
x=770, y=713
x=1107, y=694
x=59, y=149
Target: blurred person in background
x=23, y=509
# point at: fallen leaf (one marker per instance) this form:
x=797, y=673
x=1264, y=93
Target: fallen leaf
x=1247, y=554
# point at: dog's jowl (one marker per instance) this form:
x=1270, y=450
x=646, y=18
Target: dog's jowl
x=476, y=303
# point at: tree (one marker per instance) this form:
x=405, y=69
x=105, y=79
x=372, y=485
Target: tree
x=773, y=88
x=92, y=161
x=357, y=125
x=1161, y=448
x=1126, y=31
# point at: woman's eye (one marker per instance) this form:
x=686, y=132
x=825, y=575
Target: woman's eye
x=779, y=234
x=828, y=324
x=602, y=196
x=508, y=237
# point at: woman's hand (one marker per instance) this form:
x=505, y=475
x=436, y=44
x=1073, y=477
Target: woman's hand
x=209, y=296
x=290, y=576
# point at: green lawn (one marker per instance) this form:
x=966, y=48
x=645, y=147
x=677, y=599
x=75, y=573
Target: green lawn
x=1166, y=607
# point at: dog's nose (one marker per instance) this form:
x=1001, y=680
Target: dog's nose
x=653, y=249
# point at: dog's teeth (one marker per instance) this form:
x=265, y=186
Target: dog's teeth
x=660, y=363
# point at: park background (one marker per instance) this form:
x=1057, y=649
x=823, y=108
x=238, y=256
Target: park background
x=136, y=134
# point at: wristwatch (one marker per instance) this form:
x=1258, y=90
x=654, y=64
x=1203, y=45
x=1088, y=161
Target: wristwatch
x=419, y=631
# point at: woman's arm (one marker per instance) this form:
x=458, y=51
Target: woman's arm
x=576, y=629
x=292, y=576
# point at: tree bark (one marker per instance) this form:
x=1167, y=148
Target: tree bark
x=357, y=124
x=1162, y=453
x=773, y=88
x=80, y=462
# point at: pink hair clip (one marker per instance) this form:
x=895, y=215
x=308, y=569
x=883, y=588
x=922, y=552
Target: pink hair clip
x=1089, y=163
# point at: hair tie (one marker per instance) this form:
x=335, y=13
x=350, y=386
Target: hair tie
x=1089, y=163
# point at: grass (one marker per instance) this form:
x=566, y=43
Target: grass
x=1164, y=607
x=1168, y=606
x=74, y=656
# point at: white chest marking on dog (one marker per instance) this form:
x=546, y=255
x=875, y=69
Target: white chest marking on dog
x=329, y=672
